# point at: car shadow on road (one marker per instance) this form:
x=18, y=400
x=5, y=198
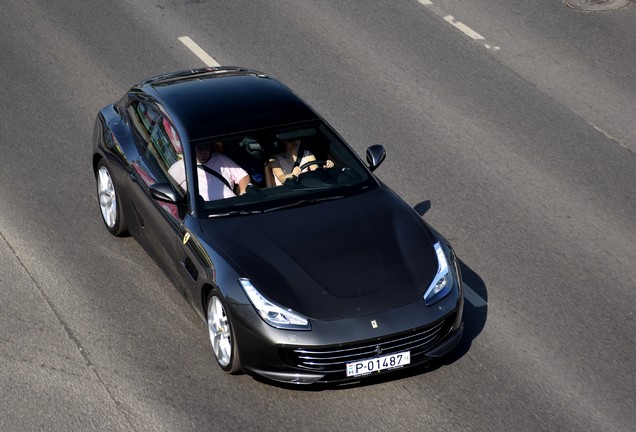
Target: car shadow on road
x=475, y=312
x=475, y=306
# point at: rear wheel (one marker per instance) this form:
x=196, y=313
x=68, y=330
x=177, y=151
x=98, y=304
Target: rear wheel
x=222, y=335
x=109, y=202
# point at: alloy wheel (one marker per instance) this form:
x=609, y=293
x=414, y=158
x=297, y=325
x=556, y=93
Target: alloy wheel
x=220, y=332
x=107, y=197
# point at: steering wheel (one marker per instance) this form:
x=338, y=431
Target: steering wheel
x=306, y=165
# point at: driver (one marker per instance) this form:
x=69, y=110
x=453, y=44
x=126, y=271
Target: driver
x=286, y=165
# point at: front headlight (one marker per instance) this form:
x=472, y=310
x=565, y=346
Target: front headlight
x=444, y=279
x=272, y=314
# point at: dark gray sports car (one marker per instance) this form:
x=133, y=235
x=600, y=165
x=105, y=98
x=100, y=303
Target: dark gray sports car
x=305, y=267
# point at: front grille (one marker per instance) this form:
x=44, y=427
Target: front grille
x=333, y=359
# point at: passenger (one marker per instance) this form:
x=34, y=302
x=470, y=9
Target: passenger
x=218, y=175
x=286, y=165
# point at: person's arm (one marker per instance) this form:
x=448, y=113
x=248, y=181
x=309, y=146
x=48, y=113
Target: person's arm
x=279, y=173
x=309, y=158
x=233, y=172
x=242, y=184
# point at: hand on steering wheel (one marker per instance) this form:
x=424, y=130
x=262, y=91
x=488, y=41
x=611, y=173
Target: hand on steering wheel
x=306, y=165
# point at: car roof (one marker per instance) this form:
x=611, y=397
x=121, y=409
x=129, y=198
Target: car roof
x=219, y=101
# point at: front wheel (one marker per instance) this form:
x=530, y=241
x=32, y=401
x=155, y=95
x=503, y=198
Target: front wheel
x=222, y=335
x=109, y=202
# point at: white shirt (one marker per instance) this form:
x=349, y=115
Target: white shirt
x=210, y=187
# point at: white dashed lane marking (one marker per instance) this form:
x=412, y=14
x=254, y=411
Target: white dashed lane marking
x=198, y=51
x=457, y=24
x=463, y=28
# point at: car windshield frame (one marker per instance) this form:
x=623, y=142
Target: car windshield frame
x=348, y=176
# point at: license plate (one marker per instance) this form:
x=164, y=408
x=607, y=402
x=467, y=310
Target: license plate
x=365, y=367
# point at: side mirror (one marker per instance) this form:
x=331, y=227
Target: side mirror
x=375, y=155
x=164, y=192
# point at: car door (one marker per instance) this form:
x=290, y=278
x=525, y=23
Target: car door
x=194, y=264
x=154, y=223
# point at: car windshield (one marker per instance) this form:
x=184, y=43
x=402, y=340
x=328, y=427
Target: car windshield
x=271, y=169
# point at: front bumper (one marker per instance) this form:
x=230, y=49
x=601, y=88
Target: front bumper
x=309, y=377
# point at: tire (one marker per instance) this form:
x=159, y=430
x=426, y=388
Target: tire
x=221, y=334
x=109, y=202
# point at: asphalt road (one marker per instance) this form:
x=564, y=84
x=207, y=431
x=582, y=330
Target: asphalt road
x=509, y=124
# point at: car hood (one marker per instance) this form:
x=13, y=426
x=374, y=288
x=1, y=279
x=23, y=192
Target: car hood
x=331, y=260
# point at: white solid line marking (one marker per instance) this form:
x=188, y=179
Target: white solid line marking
x=196, y=49
x=473, y=297
x=426, y=2
x=463, y=28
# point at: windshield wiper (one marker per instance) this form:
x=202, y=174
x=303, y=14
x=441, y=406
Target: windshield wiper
x=303, y=202
x=235, y=213
x=298, y=203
